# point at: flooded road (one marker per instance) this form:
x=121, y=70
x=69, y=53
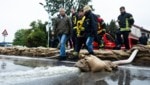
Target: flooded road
x=36, y=71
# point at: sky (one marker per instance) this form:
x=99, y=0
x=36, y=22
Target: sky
x=18, y=14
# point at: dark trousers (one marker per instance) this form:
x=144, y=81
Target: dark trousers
x=73, y=38
x=54, y=43
x=70, y=42
x=125, y=39
x=80, y=41
x=98, y=39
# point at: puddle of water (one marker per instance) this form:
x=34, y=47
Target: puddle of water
x=130, y=75
x=32, y=71
x=9, y=66
x=126, y=75
x=36, y=74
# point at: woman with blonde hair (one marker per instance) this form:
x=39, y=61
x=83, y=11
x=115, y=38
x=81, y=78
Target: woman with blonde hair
x=90, y=28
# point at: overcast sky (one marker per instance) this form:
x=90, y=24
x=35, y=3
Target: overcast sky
x=17, y=14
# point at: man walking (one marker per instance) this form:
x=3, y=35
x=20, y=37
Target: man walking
x=90, y=28
x=79, y=33
x=74, y=22
x=62, y=28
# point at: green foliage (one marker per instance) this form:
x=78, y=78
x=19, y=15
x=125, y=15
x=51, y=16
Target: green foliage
x=38, y=25
x=33, y=37
x=21, y=37
x=112, y=28
x=54, y=5
x=36, y=38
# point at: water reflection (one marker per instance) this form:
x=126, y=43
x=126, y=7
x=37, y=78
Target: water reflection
x=126, y=75
x=39, y=63
x=3, y=65
x=101, y=82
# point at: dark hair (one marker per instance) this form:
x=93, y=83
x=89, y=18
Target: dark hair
x=122, y=7
x=98, y=15
x=80, y=10
x=143, y=33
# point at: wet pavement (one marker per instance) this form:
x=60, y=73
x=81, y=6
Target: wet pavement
x=36, y=71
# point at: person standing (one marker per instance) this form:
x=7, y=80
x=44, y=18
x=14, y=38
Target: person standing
x=90, y=28
x=79, y=33
x=62, y=28
x=74, y=22
x=125, y=21
x=100, y=32
x=143, y=39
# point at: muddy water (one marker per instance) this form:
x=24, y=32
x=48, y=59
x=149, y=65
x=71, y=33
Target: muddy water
x=34, y=71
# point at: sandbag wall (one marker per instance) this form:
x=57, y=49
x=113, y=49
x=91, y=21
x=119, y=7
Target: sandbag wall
x=143, y=56
x=33, y=52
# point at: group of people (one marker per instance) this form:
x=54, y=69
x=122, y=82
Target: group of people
x=84, y=27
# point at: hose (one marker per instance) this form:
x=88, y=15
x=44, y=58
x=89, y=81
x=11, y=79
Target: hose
x=129, y=60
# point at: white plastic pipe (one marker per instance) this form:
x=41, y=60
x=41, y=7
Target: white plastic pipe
x=129, y=60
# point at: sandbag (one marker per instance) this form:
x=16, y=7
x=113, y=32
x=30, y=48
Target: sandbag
x=83, y=65
x=94, y=64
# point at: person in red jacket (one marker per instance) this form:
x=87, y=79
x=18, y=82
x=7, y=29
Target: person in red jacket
x=101, y=31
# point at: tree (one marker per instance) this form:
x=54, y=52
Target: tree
x=36, y=38
x=38, y=25
x=38, y=35
x=54, y=5
x=112, y=28
x=33, y=37
x=21, y=37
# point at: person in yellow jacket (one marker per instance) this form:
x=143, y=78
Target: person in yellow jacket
x=80, y=33
x=74, y=22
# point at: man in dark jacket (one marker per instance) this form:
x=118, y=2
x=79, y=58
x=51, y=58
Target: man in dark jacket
x=62, y=28
x=74, y=22
x=79, y=33
x=143, y=39
x=90, y=28
x=125, y=21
